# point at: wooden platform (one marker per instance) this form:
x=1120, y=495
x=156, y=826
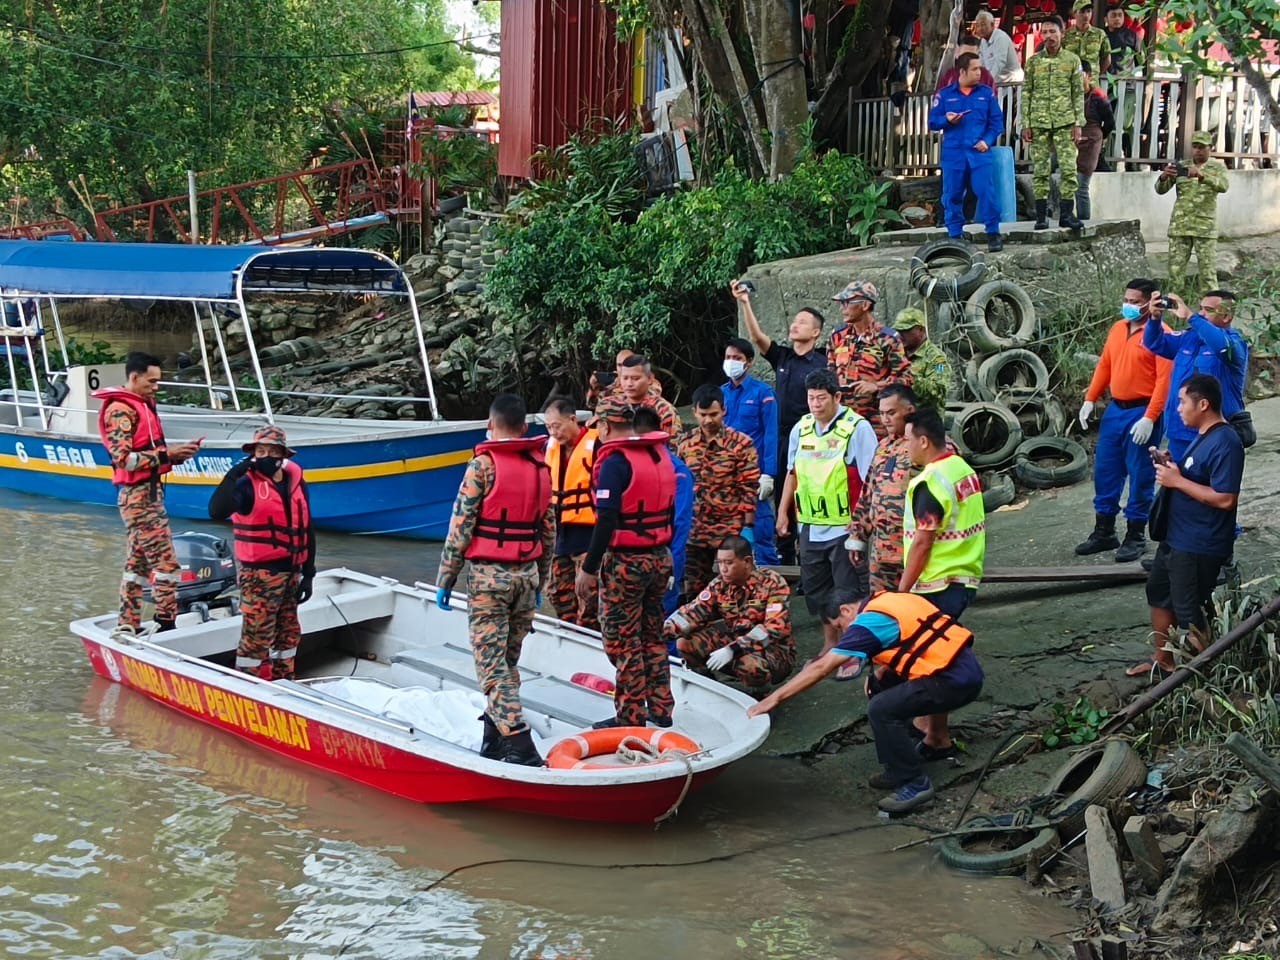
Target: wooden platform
x=1101, y=574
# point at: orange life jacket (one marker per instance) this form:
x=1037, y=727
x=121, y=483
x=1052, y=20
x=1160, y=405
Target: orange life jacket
x=269, y=533
x=148, y=436
x=930, y=640
x=571, y=478
x=646, y=515
x=508, y=529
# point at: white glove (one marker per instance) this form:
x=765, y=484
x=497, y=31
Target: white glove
x=1141, y=431
x=720, y=658
x=671, y=581
x=1086, y=411
x=766, y=487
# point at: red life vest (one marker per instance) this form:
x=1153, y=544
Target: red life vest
x=270, y=532
x=646, y=515
x=148, y=436
x=929, y=639
x=509, y=527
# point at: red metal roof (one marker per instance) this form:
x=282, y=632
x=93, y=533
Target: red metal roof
x=453, y=98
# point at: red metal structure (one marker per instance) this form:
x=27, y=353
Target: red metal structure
x=44, y=229
x=562, y=68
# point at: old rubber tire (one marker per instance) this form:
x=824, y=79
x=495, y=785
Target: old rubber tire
x=1040, y=415
x=973, y=383
x=1106, y=771
x=943, y=289
x=1015, y=369
x=999, y=491
x=986, y=434
x=1033, y=474
x=1008, y=857
x=1004, y=295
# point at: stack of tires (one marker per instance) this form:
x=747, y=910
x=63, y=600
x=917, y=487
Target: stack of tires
x=1004, y=414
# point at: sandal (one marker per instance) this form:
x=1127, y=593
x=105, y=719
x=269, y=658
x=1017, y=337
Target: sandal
x=1149, y=667
x=931, y=754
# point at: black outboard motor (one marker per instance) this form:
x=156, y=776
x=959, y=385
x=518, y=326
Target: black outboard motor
x=208, y=571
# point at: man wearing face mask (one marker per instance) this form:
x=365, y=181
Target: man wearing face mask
x=1139, y=383
x=266, y=499
x=751, y=407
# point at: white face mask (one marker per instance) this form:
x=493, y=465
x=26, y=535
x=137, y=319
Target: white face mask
x=734, y=369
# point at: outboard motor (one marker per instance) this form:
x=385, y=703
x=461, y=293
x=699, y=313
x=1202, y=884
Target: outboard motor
x=208, y=570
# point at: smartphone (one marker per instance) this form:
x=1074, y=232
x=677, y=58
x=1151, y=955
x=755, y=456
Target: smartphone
x=747, y=285
x=1180, y=167
x=1166, y=303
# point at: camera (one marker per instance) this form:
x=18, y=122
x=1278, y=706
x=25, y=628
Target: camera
x=746, y=285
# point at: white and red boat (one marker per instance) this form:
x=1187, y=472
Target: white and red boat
x=386, y=695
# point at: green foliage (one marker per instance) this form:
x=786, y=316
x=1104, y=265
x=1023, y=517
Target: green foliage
x=597, y=169
x=1258, y=308
x=88, y=354
x=458, y=161
x=633, y=16
x=1240, y=25
x=1076, y=724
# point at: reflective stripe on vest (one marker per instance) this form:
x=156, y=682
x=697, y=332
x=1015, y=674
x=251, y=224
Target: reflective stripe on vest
x=822, y=476
x=272, y=531
x=509, y=528
x=961, y=541
x=148, y=436
x=571, y=479
x=646, y=515
x=929, y=639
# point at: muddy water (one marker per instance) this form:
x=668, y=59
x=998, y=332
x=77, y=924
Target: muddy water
x=133, y=832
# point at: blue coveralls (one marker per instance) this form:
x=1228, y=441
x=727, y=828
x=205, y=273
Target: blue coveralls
x=961, y=164
x=1116, y=458
x=680, y=534
x=751, y=407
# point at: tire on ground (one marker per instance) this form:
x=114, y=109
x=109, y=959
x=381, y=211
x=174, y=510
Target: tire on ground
x=1007, y=294
x=1000, y=851
x=987, y=434
x=1032, y=473
x=1015, y=369
x=1106, y=771
x=953, y=289
x=1040, y=415
x=998, y=492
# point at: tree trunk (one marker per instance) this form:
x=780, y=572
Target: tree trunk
x=1262, y=88
x=862, y=55
x=775, y=42
x=935, y=33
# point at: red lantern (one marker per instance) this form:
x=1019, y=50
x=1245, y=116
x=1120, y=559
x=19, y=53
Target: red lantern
x=809, y=22
x=1019, y=11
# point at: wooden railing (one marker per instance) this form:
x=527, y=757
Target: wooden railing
x=1154, y=122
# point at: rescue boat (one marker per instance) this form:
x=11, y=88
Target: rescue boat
x=385, y=694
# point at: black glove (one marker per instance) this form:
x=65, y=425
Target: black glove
x=304, y=588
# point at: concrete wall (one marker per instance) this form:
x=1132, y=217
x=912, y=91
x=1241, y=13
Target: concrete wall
x=1250, y=207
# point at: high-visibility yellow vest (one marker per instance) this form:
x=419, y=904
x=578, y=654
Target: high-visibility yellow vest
x=961, y=541
x=822, y=478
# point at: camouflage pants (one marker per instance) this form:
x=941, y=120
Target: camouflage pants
x=761, y=667
x=885, y=561
x=1206, y=251
x=270, y=633
x=699, y=568
x=150, y=555
x=631, y=587
x=499, y=616
x=564, y=597
x=1045, y=143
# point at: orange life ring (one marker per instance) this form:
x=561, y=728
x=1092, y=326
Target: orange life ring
x=578, y=752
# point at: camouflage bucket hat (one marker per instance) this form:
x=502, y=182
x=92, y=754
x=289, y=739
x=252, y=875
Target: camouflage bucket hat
x=859, y=290
x=908, y=318
x=270, y=434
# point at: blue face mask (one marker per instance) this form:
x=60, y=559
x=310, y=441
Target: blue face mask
x=1130, y=311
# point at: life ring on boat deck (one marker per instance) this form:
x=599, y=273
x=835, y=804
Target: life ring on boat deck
x=579, y=751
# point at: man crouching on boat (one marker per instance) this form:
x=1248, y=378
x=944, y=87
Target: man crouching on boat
x=924, y=665
x=266, y=498
x=504, y=525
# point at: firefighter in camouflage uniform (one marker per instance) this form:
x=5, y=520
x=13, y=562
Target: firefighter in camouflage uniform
x=865, y=355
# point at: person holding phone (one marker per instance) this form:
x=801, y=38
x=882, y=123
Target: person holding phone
x=1193, y=225
x=129, y=425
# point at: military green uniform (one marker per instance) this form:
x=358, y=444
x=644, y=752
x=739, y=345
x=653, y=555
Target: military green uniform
x=1052, y=104
x=931, y=375
x=1193, y=228
x=1089, y=45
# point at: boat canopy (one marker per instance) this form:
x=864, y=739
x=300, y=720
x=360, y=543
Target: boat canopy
x=170, y=271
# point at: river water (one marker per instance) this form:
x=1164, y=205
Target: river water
x=132, y=831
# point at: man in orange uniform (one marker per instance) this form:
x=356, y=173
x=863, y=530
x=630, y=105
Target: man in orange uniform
x=571, y=453
x=1139, y=383
x=635, y=381
x=504, y=527
x=865, y=355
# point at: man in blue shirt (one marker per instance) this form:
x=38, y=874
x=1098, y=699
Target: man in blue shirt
x=1209, y=345
x=1203, y=489
x=971, y=122
x=751, y=407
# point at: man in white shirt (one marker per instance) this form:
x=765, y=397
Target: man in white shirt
x=996, y=49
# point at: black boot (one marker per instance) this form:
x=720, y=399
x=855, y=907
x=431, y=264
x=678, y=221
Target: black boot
x=1102, y=538
x=163, y=626
x=519, y=748
x=1066, y=215
x=1135, y=542
x=1042, y=214
x=491, y=747
x=995, y=243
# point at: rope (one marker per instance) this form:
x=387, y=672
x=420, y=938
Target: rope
x=633, y=751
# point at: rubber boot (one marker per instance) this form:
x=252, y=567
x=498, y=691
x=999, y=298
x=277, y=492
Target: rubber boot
x=1135, y=542
x=1042, y=214
x=519, y=748
x=489, y=749
x=1067, y=216
x=164, y=625
x=1102, y=538
x=995, y=243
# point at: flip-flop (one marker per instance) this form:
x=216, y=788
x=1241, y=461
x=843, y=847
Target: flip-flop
x=932, y=754
x=1148, y=667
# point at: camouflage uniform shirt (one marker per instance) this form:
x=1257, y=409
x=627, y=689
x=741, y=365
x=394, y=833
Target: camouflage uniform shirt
x=476, y=484
x=118, y=439
x=1195, y=212
x=876, y=356
x=1088, y=45
x=877, y=519
x=931, y=375
x=1053, y=93
x=726, y=480
x=757, y=611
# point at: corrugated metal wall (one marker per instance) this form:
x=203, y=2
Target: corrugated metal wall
x=562, y=67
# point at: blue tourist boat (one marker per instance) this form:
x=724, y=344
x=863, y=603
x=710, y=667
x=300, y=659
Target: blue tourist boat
x=394, y=477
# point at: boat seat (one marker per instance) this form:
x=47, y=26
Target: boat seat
x=333, y=610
